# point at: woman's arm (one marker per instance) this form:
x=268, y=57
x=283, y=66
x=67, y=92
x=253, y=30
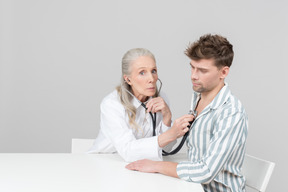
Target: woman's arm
x=115, y=127
x=179, y=128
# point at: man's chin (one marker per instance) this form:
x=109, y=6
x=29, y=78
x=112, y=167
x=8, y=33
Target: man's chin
x=197, y=89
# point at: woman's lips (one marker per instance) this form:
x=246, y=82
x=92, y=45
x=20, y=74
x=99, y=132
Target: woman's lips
x=151, y=88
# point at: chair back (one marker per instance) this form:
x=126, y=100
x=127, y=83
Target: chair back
x=81, y=145
x=257, y=173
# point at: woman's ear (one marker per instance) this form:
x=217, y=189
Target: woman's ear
x=224, y=72
x=126, y=79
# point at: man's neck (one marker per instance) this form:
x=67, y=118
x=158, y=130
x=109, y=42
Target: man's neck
x=207, y=98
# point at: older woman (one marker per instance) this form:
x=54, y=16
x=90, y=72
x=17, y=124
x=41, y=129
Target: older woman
x=128, y=114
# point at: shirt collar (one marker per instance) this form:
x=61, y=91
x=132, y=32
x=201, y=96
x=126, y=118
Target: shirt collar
x=137, y=103
x=218, y=101
x=221, y=97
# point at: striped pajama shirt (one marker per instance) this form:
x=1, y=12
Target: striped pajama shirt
x=216, y=145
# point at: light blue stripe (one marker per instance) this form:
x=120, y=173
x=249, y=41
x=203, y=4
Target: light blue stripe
x=222, y=160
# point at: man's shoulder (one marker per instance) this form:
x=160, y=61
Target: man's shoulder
x=233, y=103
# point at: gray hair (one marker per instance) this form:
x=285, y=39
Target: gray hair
x=123, y=88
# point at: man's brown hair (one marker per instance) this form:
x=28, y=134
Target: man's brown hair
x=212, y=47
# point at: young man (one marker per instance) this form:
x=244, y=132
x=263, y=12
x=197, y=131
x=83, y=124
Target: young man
x=216, y=142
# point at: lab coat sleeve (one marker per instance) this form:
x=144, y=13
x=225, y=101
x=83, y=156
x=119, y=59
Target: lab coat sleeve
x=162, y=127
x=118, y=131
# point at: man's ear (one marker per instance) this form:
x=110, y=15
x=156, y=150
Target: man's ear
x=224, y=72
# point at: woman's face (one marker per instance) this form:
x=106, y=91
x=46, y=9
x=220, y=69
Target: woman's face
x=143, y=77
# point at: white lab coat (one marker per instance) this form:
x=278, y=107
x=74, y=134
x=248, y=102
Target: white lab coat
x=116, y=135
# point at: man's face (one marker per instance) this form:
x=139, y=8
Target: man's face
x=205, y=76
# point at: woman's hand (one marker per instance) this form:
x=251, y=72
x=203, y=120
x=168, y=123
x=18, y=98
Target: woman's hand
x=180, y=125
x=179, y=128
x=158, y=104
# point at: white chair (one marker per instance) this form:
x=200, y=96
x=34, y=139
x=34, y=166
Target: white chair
x=257, y=172
x=81, y=145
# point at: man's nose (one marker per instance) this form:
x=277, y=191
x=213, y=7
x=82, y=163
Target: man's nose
x=194, y=75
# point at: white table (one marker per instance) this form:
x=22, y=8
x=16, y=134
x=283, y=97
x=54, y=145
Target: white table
x=64, y=172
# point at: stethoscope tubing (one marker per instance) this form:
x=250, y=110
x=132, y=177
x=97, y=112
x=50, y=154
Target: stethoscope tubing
x=177, y=149
x=153, y=117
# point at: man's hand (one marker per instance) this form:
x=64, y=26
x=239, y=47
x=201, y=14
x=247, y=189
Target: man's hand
x=148, y=166
x=144, y=165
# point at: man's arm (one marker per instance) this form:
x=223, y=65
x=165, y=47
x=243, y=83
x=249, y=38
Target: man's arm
x=148, y=166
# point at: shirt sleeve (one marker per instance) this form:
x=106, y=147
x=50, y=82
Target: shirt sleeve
x=228, y=133
x=117, y=130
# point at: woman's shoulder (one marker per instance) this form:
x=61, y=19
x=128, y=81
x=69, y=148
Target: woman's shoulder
x=111, y=99
x=112, y=95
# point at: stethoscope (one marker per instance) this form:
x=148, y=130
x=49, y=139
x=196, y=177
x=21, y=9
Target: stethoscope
x=153, y=117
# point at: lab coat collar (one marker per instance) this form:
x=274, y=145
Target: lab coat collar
x=137, y=103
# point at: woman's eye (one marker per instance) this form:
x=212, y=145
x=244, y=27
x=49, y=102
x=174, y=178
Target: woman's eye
x=142, y=73
x=154, y=71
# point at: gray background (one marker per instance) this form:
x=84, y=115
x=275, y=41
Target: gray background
x=59, y=58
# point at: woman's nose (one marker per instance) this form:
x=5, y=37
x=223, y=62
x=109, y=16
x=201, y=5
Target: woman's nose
x=152, y=78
